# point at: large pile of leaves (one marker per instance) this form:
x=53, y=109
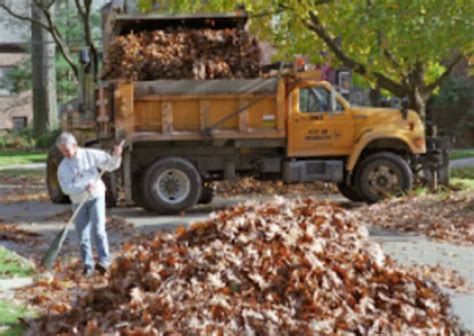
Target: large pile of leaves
x=447, y=217
x=284, y=268
x=184, y=54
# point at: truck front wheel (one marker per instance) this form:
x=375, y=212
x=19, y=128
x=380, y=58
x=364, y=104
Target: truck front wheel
x=383, y=174
x=171, y=185
x=349, y=192
x=54, y=190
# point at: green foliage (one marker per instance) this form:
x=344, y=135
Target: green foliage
x=24, y=140
x=453, y=107
x=17, y=139
x=461, y=154
x=20, y=76
x=47, y=140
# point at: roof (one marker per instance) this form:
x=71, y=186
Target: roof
x=126, y=23
x=10, y=59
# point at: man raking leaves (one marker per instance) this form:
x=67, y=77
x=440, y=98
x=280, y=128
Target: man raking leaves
x=79, y=178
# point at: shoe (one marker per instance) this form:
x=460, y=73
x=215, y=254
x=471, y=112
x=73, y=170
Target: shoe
x=88, y=272
x=101, y=269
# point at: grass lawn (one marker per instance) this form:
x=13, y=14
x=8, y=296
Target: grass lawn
x=461, y=154
x=12, y=265
x=20, y=157
x=463, y=177
x=9, y=314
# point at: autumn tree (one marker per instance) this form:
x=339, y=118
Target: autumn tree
x=405, y=47
x=51, y=33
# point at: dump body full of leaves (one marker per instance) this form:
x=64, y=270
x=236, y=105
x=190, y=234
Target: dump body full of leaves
x=448, y=217
x=291, y=267
x=184, y=54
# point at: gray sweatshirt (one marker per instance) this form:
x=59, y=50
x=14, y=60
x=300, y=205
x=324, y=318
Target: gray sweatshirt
x=77, y=173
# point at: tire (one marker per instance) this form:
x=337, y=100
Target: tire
x=171, y=185
x=54, y=190
x=207, y=195
x=111, y=193
x=374, y=175
x=349, y=192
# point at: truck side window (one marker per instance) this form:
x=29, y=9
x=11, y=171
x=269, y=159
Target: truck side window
x=317, y=99
x=308, y=100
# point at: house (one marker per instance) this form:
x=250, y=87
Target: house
x=16, y=109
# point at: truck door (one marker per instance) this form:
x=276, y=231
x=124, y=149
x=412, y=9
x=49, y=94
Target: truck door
x=314, y=128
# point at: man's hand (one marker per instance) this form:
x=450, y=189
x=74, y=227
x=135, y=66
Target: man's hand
x=91, y=187
x=118, y=150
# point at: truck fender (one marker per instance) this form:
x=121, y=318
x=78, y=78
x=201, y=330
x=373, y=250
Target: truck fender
x=366, y=140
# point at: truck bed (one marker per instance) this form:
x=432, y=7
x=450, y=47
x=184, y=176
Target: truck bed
x=168, y=110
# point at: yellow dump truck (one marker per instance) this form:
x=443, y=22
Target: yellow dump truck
x=183, y=134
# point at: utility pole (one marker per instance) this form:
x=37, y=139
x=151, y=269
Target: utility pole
x=45, y=109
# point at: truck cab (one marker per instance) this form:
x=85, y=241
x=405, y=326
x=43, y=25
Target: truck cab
x=325, y=131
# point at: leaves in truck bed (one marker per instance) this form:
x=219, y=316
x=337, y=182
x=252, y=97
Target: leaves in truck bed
x=183, y=54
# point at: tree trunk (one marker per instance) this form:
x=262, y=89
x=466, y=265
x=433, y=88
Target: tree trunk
x=418, y=102
x=45, y=111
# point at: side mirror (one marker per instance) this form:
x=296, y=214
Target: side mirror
x=84, y=56
x=404, y=108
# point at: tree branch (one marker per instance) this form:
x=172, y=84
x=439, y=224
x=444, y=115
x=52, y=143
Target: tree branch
x=428, y=88
x=23, y=17
x=80, y=9
x=85, y=14
x=57, y=37
x=316, y=26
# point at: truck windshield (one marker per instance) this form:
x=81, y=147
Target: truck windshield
x=316, y=99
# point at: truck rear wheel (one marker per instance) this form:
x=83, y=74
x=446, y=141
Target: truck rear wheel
x=54, y=190
x=171, y=185
x=350, y=192
x=383, y=174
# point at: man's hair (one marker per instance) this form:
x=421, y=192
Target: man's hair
x=67, y=139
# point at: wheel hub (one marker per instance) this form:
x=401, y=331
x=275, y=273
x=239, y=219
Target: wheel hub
x=383, y=180
x=173, y=186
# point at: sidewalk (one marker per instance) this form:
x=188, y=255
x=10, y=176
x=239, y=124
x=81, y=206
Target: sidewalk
x=25, y=166
x=469, y=162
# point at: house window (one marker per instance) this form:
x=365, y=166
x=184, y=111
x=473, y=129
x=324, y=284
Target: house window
x=19, y=122
x=5, y=85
